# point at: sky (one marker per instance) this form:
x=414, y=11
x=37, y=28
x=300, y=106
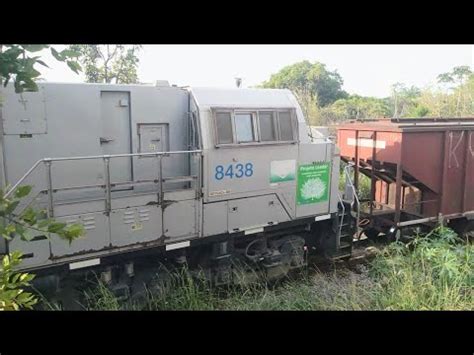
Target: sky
x=367, y=70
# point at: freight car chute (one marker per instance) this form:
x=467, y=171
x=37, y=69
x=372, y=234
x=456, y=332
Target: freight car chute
x=420, y=170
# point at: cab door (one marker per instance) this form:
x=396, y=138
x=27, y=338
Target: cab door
x=115, y=135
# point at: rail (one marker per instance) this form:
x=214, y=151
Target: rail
x=48, y=163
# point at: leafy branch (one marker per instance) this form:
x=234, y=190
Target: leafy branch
x=12, y=283
x=17, y=64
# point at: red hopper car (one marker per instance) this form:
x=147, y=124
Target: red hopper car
x=421, y=170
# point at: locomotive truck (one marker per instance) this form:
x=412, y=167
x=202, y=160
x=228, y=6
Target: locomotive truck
x=220, y=179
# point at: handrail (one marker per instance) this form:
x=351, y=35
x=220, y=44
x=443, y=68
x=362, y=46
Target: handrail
x=105, y=157
x=342, y=219
x=349, y=180
x=155, y=154
x=13, y=188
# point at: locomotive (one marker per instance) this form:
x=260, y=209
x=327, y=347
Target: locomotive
x=204, y=176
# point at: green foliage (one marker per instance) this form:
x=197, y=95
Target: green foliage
x=431, y=272
x=101, y=298
x=403, y=100
x=458, y=75
x=12, y=284
x=320, y=95
x=18, y=66
x=419, y=111
x=452, y=98
x=108, y=63
x=355, y=107
x=21, y=225
x=312, y=83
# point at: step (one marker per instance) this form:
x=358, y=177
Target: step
x=345, y=245
x=346, y=236
x=341, y=256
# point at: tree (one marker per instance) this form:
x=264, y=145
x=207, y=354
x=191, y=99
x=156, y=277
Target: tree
x=312, y=84
x=453, y=97
x=109, y=63
x=459, y=77
x=403, y=99
x=355, y=107
x=17, y=65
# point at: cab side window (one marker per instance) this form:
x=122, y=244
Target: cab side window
x=240, y=126
x=244, y=127
x=268, y=127
x=286, y=126
x=224, y=127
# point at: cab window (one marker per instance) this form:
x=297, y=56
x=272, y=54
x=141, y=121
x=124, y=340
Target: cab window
x=244, y=127
x=240, y=126
x=268, y=127
x=286, y=126
x=224, y=127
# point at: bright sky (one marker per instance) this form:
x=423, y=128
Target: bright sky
x=367, y=70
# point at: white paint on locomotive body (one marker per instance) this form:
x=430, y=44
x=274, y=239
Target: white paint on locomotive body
x=178, y=245
x=253, y=230
x=83, y=264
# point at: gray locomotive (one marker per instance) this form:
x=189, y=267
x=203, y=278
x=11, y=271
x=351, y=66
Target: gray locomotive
x=204, y=176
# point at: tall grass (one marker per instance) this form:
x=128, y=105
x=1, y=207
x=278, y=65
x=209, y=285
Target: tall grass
x=433, y=272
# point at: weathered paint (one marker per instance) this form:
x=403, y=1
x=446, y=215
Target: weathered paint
x=437, y=153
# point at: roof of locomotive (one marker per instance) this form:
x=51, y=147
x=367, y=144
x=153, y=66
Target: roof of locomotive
x=243, y=98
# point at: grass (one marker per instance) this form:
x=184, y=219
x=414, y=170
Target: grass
x=432, y=272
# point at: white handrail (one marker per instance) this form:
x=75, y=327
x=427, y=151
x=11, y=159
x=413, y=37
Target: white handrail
x=348, y=178
x=13, y=188
x=342, y=219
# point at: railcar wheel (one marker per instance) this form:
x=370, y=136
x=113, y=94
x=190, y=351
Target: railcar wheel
x=394, y=234
x=371, y=233
x=470, y=231
x=464, y=228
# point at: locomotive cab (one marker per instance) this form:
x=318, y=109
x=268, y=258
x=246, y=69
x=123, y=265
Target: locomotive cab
x=261, y=168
